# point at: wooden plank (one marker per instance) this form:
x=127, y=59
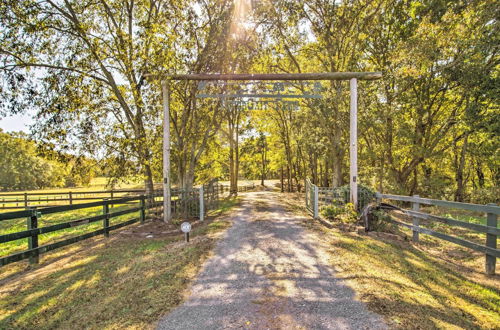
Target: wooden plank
x=415, y=220
x=271, y=76
x=456, y=240
x=55, y=209
x=86, y=205
x=453, y=222
x=45, y=248
x=436, y=202
x=43, y=230
x=32, y=223
x=105, y=221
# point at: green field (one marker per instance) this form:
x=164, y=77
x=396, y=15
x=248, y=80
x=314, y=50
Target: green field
x=17, y=225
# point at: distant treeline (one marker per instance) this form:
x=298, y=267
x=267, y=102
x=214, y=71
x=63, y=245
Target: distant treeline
x=24, y=166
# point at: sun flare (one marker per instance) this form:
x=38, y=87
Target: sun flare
x=241, y=19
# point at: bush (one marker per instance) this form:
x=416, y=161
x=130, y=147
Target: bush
x=344, y=213
x=331, y=211
x=349, y=216
x=365, y=194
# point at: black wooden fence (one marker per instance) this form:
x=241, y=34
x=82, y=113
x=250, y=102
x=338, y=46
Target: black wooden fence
x=15, y=200
x=33, y=230
x=194, y=202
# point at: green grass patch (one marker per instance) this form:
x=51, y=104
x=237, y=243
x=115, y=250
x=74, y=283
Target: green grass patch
x=114, y=283
x=411, y=287
x=433, y=284
x=17, y=225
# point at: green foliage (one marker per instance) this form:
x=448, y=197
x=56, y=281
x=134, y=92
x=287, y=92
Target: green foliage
x=366, y=195
x=430, y=126
x=331, y=211
x=350, y=215
x=344, y=213
x=380, y=221
x=22, y=168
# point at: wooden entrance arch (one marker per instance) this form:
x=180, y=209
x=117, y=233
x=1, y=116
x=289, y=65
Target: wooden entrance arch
x=353, y=78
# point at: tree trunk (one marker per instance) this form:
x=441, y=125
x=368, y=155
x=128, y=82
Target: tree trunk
x=325, y=176
x=282, y=180
x=337, y=179
x=263, y=165
x=459, y=177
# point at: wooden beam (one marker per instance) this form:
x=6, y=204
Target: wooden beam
x=271, y=76
x=353, y=142
x=167, y=211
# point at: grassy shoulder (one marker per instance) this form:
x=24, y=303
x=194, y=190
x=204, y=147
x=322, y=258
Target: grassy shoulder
x=414, y=285
x=121, y=282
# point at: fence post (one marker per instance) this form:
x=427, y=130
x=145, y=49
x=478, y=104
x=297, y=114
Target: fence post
x=70, y=198
x=25, y=199
x=202, y=207
x=307, y=194
x=491, y=241
x=415, y=220
x=143, y=208
x=105, y=221
x=316, y=202
x=32, y=223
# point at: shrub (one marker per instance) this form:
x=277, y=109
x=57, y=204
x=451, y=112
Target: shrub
x=365, y=194
x=331, y=211
x=344, y=213
x=349, y=214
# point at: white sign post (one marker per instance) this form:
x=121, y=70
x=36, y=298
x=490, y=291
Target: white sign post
x=186, y=228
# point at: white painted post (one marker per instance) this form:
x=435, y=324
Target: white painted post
x=353, y=142
x=316, y=202
x=166, y=151
x=202, y=206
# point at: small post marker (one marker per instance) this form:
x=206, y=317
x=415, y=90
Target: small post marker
x=186, y=228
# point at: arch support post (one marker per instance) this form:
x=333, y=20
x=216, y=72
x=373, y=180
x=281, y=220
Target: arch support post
x=167, y=211
x=353, y=142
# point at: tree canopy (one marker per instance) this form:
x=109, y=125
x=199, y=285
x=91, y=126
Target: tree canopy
x=429, y=127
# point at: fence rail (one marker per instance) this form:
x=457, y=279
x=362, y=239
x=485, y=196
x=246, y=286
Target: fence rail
x=490, y=229
x=323, y=196
x=33, y=231
x=13, y=200
x=194, y=202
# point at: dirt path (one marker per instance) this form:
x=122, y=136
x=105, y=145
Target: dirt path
x=269, y=272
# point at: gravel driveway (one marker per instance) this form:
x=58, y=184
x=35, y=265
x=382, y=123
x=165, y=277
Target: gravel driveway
x=269, y=272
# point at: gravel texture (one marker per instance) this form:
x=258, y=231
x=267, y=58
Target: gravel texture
x=269, y=272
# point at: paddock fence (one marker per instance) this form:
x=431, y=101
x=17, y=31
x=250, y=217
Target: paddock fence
x=421, y=220
x=108, y=212
x=23, y=200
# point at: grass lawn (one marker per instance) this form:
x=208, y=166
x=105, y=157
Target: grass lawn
x=98, y=183
x=126, y=281
x=432, y=284
x=17, y=225
x=59, y=196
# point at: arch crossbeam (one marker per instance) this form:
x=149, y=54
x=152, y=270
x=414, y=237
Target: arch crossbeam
x=353, y=77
